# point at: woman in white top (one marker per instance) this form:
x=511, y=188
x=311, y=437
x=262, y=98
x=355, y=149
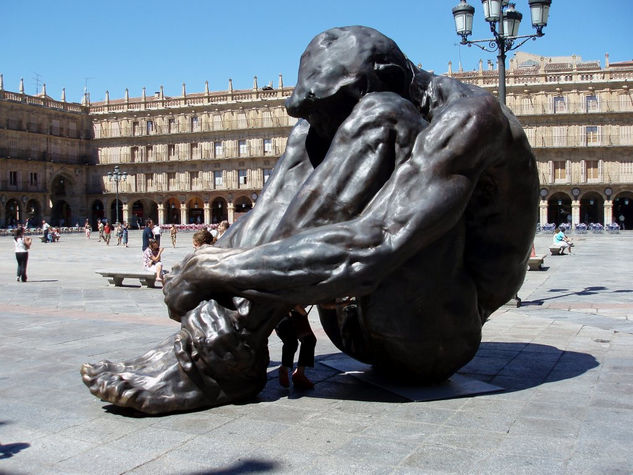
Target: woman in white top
x=22, y=245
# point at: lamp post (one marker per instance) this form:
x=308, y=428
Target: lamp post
x=504, y=22
x=116, y=176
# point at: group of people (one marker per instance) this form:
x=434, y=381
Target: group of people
x=49, y=233
x=105, y=230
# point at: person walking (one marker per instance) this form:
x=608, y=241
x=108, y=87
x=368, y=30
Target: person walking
x=156, y=233
x=172, y=233
x=100, y=229
x=147, y=233
x=87, y=229
x=22, y=246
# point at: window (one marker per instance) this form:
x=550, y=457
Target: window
x=626, y=135
x=33, y=178
x=171, y=126
x=171, y=181
x=626, y=102
x=134, y=154
x=559, y=135
x=72, y=130
x=592, y=170
x=593, y=137
x=194, y=180
x=217, y=179
x=560, y=170
x=149, y=182
x=218, y=149
x=193, y=151
x=150, y=127
x=626, y=170
x=592, y=104
x=195, y=124
x=267, y=173
x=171, y=152
x=114, y=129
x=268, y=146
x=242, y=148
x=241, y=177
x=55, y=127
x=560, y=105
x=149, y=153
x=526, y=106
x=13, y=178
x=135, y=128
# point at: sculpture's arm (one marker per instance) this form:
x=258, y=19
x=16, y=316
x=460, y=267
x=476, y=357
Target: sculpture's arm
x=291, y=170
x=423, y=198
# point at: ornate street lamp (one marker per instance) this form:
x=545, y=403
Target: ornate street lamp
x=504, y=22
x=116, y=176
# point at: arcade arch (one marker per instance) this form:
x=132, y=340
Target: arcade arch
x=623, y=210
x=559, y=209
x=219, y=210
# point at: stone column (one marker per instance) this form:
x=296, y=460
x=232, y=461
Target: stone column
x=575, y=212
x=183, y=213
x=543, y=212
x=230, y=210
x=161, y=213
x=126, y=212
x=608, y=212
x=207, y=212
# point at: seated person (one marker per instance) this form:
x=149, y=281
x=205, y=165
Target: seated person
x=151, y=259
x=562, y=241
x=202, y=237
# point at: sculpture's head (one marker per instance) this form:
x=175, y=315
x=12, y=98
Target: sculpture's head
x=341, y=65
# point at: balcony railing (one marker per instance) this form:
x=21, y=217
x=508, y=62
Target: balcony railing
x=192, y=100
x=204, y=126
x=571, y=107
x=41, y=101
x=579, y=140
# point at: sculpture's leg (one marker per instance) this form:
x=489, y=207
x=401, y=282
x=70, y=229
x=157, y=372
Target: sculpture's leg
x=212, y=360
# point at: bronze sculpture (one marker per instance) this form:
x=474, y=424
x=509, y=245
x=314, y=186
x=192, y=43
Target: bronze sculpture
x=404, y=205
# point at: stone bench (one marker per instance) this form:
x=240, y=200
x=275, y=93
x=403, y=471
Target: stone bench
x=556, y=250
x=536, y=262
x=116, y=278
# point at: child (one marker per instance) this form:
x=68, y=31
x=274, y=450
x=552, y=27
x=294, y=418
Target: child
x=293, y=329
x=202, y=237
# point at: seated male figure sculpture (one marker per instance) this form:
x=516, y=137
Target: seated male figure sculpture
x=411, y=195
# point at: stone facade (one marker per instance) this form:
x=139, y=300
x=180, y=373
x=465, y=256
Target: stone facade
x=45, y=153
x=204, y=157
x=578, y=118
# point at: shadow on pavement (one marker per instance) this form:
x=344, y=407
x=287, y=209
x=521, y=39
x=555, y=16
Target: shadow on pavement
x=244, y=466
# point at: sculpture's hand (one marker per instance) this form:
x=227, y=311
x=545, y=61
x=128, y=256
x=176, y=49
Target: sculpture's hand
x=198, y=277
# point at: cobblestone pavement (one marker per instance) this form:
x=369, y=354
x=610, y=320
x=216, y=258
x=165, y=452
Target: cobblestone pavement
x=564, y=359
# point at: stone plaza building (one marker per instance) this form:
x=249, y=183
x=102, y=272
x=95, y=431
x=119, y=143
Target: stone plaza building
x=204, y=157
x=578, y=118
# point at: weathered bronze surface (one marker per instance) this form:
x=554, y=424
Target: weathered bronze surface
x=405, y=203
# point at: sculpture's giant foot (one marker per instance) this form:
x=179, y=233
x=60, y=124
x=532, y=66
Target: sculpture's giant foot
x=153, y=383
x=209, y=362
